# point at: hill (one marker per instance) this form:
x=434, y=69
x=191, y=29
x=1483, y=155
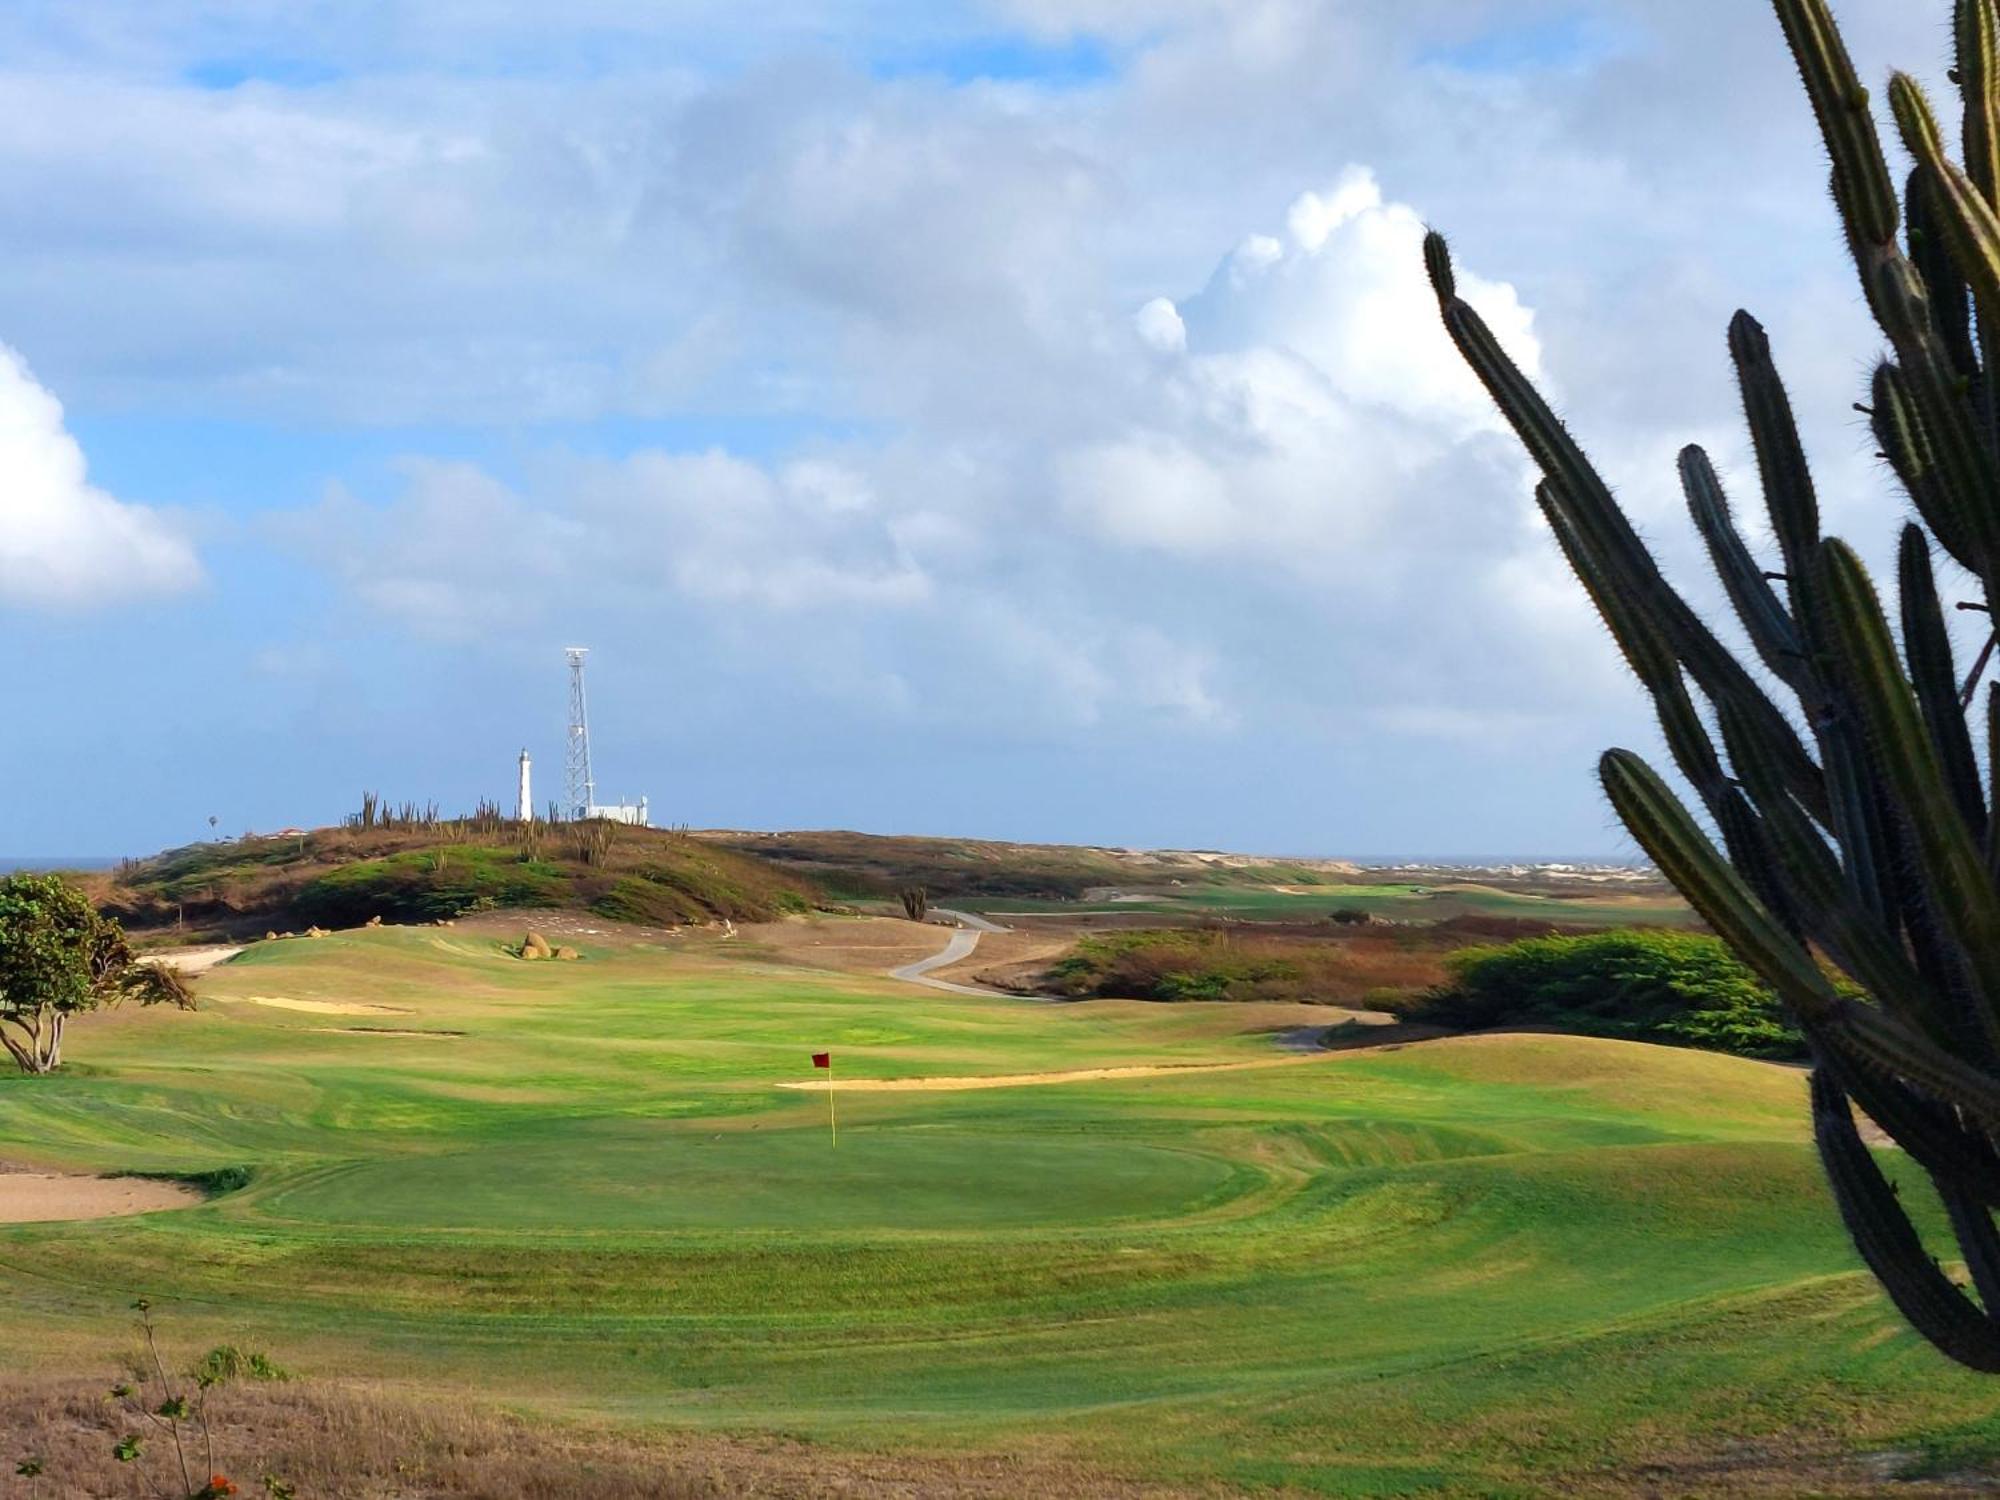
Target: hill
x=440, y=870
x=876, y=865
x=1018, y=883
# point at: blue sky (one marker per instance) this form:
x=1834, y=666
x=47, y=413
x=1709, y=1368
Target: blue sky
x=1020, y=418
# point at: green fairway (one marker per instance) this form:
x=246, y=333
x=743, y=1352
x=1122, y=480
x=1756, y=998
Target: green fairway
x=1400, y=903
x=1493, y=1265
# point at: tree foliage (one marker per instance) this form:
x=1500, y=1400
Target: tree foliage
x=58, y=958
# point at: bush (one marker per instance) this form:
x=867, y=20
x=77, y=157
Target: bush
x=1209, y=963
x=1681, y=988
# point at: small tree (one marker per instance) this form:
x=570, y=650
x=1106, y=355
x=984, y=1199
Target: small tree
x=59, y=957
x=916, y=902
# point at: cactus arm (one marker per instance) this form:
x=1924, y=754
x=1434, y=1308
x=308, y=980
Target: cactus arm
x=1965, y=215
x=1596, y=516
x=1953, y=863
x=1649, y=657
x=1928, y=1132
x=1867, y=1035
x=1899, y=431
x=1976, y=44
x=1967, y=474
x=1774, y=434
x=1862, y=185
x=1882, y=1232
x=1928, y=650
x=1972, y=1226
x=1664, y=830
x=1950, y=297
x=1765, y=619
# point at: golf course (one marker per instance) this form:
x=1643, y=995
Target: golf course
x=607, y=1192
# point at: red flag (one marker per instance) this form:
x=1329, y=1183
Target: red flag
x=822, y=1059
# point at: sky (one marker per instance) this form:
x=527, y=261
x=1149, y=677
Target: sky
x=1007, y=418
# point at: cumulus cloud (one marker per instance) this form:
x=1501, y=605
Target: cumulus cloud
x=1306, y=412
x=64, y=542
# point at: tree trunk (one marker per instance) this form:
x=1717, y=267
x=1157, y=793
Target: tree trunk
x=33, y=1054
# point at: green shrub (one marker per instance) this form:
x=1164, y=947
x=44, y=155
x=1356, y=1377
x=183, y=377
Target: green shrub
x=1681, y=988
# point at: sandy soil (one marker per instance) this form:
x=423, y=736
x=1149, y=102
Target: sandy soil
x=192, y=961
x=34, y=1197
x=1028, y=1080
x=852, y=945
x=322, y=1007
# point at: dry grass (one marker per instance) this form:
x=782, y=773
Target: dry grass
x=344, y=1444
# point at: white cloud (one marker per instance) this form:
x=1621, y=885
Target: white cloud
x=63, y=542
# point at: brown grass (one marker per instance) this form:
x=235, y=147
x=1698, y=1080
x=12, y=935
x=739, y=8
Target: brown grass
x=338, y=1443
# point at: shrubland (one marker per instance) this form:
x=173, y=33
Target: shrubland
x=1337, y=963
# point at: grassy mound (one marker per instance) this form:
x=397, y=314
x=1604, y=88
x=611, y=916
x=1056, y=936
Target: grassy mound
x=1680, y=988
x=343, y=877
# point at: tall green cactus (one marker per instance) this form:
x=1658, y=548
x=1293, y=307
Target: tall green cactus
x=1857, y=830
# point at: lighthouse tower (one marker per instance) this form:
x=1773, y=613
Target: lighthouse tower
x=524, y=809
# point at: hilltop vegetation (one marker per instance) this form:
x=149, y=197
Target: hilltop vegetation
x=863, y=865
x=437, y=871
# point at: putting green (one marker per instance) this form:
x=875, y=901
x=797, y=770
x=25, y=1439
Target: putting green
x=769, y=1179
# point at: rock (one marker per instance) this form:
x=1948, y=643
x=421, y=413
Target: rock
x=534, y=945
x=270, y=937
x=374, y=922
x=317, y=932
x=567, y=953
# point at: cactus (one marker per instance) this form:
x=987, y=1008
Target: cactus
x=1858, y=870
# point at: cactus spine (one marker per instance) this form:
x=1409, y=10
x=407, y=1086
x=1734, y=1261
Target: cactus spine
x=1871, y=841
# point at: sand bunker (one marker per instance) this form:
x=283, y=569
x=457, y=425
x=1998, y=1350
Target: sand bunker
x=1027, y=1080
x=35, y=1197
x=326, y=1007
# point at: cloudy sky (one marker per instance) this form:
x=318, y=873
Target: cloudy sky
x=1022, y=418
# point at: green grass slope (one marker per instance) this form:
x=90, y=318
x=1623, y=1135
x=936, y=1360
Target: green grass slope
x=1486, y=1266
x=342, y=877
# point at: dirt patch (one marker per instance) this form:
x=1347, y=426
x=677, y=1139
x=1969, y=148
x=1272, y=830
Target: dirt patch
x=41, y=1197
x=192, y=961
x=323, y=1007
x=333, y=1440
x=849, y=945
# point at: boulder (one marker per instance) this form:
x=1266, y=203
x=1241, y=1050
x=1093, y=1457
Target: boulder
x=317, y=932
x=270, y=937
x=374, y=922
x=567, y=953
x=534, y=945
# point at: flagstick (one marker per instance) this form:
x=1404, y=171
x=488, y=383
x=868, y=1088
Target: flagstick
x=832, y=1122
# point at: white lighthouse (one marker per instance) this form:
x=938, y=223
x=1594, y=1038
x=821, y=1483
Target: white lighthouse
x=524, y=809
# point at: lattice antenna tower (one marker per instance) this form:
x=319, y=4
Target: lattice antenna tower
x=579, y=787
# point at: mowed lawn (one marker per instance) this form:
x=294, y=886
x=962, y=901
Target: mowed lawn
x=1484, y=1266
x=1393, y=902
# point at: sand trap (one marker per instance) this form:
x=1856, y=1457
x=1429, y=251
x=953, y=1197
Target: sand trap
x=325, y=1007
x=1028, y=1080
x=192, y=961
x=35, y=1197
